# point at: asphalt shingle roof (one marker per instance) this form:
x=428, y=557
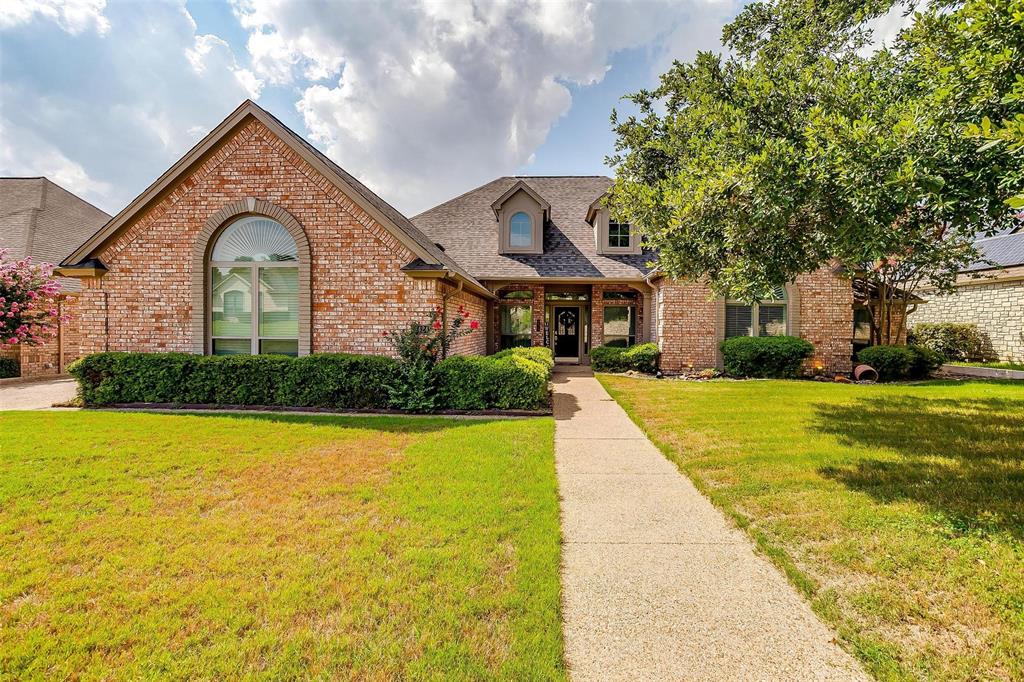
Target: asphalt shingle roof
x=465, y=226
x=41, y=219
x=1003, y=251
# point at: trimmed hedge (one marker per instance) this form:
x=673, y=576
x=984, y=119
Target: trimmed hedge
x=955, y=342
x=765, y=357
x=330, y=380
x=641, y=358
x=9, y=368
x=901, y=362
x=513, y=379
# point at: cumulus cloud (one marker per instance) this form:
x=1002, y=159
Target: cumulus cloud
x=74, y=16
x=106, y=112
x=423, y=100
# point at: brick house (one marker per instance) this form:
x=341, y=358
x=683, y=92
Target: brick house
x=256, y=242
x=42, y=220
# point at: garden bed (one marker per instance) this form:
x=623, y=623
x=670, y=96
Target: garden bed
x=207, y=407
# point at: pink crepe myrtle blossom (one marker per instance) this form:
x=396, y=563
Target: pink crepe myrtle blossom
x=29, y=313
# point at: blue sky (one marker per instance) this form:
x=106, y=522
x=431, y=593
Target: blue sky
x=420, y=100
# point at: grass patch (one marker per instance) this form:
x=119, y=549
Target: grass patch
x=264, y=546
x=898, y=510
x=1019, y=366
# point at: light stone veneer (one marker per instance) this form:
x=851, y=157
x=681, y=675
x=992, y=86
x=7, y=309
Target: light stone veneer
x=996, y=307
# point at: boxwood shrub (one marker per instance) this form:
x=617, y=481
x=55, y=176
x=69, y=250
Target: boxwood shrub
x=516, y=379
x=9, y=368
x=512, y=379
x=641, y=358
x=765, y=357
x=900, y=362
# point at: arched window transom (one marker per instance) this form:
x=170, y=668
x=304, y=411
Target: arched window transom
x=764, y=318
x=520, y=230
x=254, y=289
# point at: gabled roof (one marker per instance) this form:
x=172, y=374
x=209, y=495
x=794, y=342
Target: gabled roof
x=381, y=211
x=594, y=207
x=466, y=227
x=41, y=219
x=520, y=186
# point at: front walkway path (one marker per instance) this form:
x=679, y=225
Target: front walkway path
x=658, y=585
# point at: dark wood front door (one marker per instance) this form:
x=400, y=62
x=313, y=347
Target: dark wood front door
x=567, y=332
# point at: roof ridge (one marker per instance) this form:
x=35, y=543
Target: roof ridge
x=464, y=194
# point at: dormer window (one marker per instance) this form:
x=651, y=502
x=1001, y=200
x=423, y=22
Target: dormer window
x=521, y=213
x=520, y=234
x=618, y=235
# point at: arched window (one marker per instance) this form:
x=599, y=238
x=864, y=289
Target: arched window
x=520, y=230
x=254, y=289
x=764, y=318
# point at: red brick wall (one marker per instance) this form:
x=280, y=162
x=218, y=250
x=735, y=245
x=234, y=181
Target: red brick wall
x=826, y=319
x=690, y=322
x=474, y=343
x=47, y=359
x=357, y=288
x=686, y=325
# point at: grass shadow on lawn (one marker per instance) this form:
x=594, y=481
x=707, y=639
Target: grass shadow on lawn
x=963, y=458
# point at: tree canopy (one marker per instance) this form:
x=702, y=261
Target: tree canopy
x=808, y=145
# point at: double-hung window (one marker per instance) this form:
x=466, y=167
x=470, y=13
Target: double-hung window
x=764, y=318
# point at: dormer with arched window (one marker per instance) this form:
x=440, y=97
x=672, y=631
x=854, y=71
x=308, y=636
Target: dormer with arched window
x=521, y=214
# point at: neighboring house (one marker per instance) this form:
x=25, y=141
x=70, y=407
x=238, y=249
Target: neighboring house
x=45, y=221
x=256, y=242
x=989, y=294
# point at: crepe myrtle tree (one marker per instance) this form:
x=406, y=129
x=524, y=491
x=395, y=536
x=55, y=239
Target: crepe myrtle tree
x=803, y=149
x=29, y=311
x=419, y=347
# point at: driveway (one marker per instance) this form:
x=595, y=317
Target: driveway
x=658, y=585
x=36, y=395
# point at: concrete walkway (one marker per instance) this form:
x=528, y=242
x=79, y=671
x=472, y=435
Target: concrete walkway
x=36, y=395
x=658, y=585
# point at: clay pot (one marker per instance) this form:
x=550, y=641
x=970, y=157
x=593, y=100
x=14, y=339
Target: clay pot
x=865, y=373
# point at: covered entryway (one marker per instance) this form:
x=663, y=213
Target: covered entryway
x=566, y=332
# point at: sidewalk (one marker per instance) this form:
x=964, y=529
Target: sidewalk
x=657, y=584
x=36, y=395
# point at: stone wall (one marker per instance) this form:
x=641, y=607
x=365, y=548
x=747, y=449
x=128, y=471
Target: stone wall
x=997, y=307
x=357, y=288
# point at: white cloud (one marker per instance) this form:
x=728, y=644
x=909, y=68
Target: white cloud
x=74, y=16
x=107, y=114
x=423, y=100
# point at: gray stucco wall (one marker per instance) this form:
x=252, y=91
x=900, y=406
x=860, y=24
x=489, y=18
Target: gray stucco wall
x=996, y=307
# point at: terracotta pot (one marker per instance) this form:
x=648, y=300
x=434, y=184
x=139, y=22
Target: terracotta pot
x=865, y=373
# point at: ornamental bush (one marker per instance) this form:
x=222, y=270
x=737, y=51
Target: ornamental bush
x=765, y=357
x=517, y=380
x=955, y=342
x=512, y=379
x=894, y=363
x=640, y=358
x=9, y=368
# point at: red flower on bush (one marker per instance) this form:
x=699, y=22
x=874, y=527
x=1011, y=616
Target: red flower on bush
x=474, y=325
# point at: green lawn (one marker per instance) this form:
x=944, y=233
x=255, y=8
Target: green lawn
x=897, y=509
x=219, y=547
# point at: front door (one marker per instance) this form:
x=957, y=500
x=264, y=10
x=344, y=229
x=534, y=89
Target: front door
x=567, y=332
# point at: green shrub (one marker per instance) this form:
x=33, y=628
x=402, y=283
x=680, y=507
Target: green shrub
x=955, y=342
x=516, y=380
x=641, y=358
x=9, y=368
x=512, y=379
x=774, y=357
x=334, y=380
x=900, y=362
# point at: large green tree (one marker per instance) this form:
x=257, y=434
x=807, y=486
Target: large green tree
x=804, y=147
